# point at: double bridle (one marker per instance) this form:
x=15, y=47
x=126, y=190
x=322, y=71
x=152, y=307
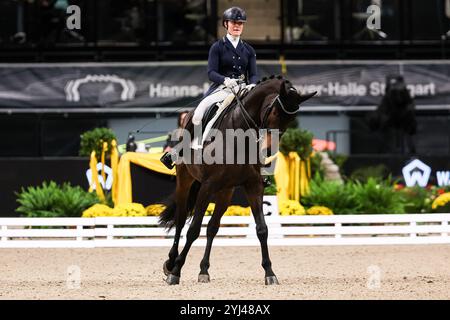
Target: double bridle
x=253, y=124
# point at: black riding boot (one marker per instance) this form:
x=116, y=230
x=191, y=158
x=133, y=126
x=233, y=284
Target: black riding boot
x=169, y=158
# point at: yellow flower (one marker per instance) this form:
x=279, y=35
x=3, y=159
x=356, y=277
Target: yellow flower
x=231, y=210
x=155, y=209
x=441, y=201
x=129, y=210
x=238, y=211
x=210, y=209
x=291, y=208
x=97, y=210
x=319, y=210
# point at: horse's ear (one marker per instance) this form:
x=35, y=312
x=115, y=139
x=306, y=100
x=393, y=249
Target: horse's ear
x=305, y=97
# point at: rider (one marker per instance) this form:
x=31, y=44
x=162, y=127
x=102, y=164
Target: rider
x=229, y=60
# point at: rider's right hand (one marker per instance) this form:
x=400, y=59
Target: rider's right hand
x=230, y=83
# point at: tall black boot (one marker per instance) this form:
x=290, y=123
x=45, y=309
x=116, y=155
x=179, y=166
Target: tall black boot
x=169, y=158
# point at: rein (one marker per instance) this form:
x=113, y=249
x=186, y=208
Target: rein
x=248, y=118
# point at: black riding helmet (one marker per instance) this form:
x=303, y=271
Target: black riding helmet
x=234, y=14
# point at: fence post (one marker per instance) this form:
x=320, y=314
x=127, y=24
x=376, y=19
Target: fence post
x=444, y=234
x=338, y=225
x=4, y=228
x=413, y=224
x=110, y=228
x=79, y=231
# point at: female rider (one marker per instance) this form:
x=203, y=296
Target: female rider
x=229, y=60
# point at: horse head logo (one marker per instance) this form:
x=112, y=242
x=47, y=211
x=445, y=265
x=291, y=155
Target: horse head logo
x=72, y=88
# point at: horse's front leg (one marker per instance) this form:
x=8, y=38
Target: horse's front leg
x=254, y=190
x=184, y=184
x=201, y=205
x=223, y=199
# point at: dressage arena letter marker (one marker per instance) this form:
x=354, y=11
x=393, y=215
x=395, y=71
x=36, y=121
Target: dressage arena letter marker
x=73, y=277
x=374, y=281
x=73, y=21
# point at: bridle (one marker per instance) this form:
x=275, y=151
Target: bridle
x=251, y=124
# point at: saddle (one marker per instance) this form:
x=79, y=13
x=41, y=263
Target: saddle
x=210, y=120
x=216, y=112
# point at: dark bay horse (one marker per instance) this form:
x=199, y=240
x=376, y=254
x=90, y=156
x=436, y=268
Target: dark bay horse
x=272, y=104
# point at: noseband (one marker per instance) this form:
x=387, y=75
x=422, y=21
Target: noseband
x=251, y=124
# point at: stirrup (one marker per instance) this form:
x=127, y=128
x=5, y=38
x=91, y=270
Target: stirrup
x=166, y=159
x=197, y=142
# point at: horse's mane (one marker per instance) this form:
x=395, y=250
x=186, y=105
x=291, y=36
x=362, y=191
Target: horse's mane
x=268, y=80
x=265, y=79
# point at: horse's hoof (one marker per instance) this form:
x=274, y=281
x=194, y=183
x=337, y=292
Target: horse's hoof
x=171, y=279
x=203, y=278
x=271, y=280
x=165, y=268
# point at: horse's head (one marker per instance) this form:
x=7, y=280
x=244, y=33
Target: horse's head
x=284, y=105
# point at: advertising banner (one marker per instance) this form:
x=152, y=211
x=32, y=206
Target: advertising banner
x=172, y=84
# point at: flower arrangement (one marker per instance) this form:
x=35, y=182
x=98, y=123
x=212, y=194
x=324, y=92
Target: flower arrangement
x=129, y=210
x=97, y=210
x=291, y=208
x=319, y=210
x=155, y=209
x=238, y=211
x=231, y=211
x=121, y=210
x=442, y=203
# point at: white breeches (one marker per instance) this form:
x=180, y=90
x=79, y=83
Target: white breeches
x=214, y=97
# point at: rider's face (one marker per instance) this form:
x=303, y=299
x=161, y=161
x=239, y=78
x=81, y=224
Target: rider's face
x=235, y=28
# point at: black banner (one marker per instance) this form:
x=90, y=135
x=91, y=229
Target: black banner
x=169, y=84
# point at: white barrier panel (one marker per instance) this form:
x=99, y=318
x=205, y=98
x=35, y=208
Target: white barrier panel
x=235, y=231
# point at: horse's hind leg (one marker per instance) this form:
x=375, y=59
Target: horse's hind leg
x=223, y=200
x=254, y=191
x=201, y=205
x=184, y=183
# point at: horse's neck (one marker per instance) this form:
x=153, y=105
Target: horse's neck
x=255, y=102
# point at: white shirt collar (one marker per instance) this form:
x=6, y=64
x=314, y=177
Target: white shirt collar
x=234, y=41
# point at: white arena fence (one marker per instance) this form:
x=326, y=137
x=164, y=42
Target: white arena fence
x=235, y=231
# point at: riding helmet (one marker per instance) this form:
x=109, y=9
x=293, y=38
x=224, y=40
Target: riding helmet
x=234, y=14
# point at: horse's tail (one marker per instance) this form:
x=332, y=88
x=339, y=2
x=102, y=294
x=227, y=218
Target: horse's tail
x=167, y=218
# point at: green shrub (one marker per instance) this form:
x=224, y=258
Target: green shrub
x=297, y=140
x=442, y=209
x=93, y=141
x=376, y=197
x=372, y=197
x=332, y=194
x=271, y=190
x=417, y=199
x=316, y=168
x=39, y=201
x=74, y=200
x=51, y=200
x=363, y=174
